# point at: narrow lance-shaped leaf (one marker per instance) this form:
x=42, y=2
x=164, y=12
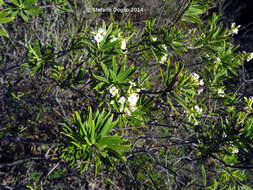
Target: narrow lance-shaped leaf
x=89, y=122
x=100, y=78
x=4, y=20
x=4, y=33
x=28, y=3
x=114, y=77
x=107, y=126
x=106, y=71
x=93, y=138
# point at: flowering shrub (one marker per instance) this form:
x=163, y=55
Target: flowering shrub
x=167, y=115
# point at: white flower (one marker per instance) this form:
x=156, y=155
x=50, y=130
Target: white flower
x=201, y=82
x=123, y=44
x=132, y=83
x=154, y=38
x=101, y=31
x=206, y=55
x=200, y=91
x=235, y=31
x=235, y=28
x=198, y=109
x=221, y=92
x=217, y=60
x=250, y=98
x=249, y=101
x=133, y=98
x=138, y=90
x=113, y=91
x=163, y=59
x=235, y=150
x=112, y=102
x=250, y=56
x=98, y=37
x=195, y=76
x=122, y=100
x=164, y=47
x=113, y=38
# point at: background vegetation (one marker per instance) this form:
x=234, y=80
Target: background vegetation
x=187, y=124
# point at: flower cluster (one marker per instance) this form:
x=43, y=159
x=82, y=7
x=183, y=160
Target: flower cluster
x=195, y=77
x=123, y=42
x=249, y=102
x=99, y=35
x=234, y=28
x=234, y=149
x=221, y=92
x=165, y=56
x=194, y=111
x=217, y=60
x=163, y=59
x=126, y=105
x=132, y=100
x=154, y=38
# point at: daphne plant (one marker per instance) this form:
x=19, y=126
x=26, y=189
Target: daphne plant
x=24, y=8
x=88, y=144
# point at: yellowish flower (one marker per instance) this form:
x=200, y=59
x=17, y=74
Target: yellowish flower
x=123, y=44
x=98, y=37
x=122, y=100
x=113, y=91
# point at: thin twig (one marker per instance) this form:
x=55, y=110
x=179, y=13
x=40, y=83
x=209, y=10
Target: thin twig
x=20, y=161
x=63, y=112
x=45, y=177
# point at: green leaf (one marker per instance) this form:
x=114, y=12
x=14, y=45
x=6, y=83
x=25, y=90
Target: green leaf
x=4, y=33
x=203, y=174
x=105, y=69
x=77, y=145
x=110, y=140
x=114, y=66
x=5, y=13
x=33, y=11
x=92, y=138
x=102, y=79
x=124, y=75
x=89, y=122
x=87, y=141
x=179, y=100
x=28, y=3
x=24, y=17
x=107, y=126
x=81, y=124
x=245, y=187
x=15, y=2
x=195, y=9
x=6, y=19
x=114, y=77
